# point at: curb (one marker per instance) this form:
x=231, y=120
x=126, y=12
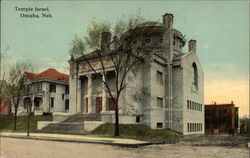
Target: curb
x=81, y=141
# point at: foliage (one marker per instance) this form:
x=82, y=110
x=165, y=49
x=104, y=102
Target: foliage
x=6, y=122
x=92, y=40
x=15, y=78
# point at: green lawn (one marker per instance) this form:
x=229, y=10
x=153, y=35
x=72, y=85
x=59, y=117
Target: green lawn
x=138, y=131
x=7, y=122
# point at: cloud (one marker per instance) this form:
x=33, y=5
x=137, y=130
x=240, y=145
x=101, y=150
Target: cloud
x=206, y=46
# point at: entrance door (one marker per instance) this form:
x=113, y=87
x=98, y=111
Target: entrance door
x=98, y=104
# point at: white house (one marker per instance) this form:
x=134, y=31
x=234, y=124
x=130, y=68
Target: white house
x=50, y=92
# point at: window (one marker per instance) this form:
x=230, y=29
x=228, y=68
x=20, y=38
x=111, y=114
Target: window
x=28, y=88
x=51, y=102
x=188, y=104
x=159, y=125
x=39, y=87
x=159, y=102
x=67, y=89
x=180, y=46
x=67, y=104
x=62, y=96
x=188, y=128
x=52, y=87
x=159, y=77
x=138, y=119
x=194, y=77
x=174, y=43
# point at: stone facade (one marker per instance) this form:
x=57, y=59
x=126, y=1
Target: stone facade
x=165, y=91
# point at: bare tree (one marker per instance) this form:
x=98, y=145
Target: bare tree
x=123, y=52
x=16, y=81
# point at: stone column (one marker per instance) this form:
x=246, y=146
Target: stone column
x=90, y=108
x=104, y=95
x=79, y=95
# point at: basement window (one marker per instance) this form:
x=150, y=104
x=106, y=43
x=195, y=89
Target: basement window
x=159, y=125
x=138, y=119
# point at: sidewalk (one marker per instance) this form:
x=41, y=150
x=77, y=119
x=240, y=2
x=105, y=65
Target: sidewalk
x=77, y=139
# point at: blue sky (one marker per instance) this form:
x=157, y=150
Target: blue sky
x=220, y=28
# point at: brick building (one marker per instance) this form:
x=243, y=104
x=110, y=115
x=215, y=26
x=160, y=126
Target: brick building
x=220, y=118
x=5, y=107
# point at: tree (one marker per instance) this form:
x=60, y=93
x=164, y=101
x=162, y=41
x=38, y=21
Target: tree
x=28, y=104
x=122, y=52
x=16, y=81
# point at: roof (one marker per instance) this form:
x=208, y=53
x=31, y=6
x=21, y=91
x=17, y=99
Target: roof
x=51, y=74
x=228, y=104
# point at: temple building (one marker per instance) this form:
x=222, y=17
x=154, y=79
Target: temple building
x=165, y=91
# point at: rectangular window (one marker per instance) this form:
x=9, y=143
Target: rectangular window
x=28, y=89
x=67, y=104
x=188, y=127
x=52, y=87
x=67, y=89
x=138, y=119
x=159, y=125
x=159, y=102
x=159, y=77
x=62, y=96
x=187, y=104
x=39, y=87
x=51, y=102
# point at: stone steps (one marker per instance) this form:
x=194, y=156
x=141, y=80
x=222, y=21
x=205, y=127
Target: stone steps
x=83, y=117
x=64, y=128
x=72, y=125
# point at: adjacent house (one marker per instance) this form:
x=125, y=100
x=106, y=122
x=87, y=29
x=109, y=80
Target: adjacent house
x=166, y=90
x=50, y=92
x=5, y=107
x=221, y=118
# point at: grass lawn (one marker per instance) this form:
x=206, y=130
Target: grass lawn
x=7, y=122
x=138, y=131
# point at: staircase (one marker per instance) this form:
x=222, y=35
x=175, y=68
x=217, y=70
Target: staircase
x=72, y=125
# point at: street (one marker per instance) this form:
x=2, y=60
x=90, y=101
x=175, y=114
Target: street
x=26, y=148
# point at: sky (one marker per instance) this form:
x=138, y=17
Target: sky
x=221, y=29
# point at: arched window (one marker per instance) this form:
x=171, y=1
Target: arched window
x=194, y=77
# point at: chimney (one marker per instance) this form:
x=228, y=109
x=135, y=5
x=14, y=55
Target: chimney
x=105, y=39
x=192, y=45
x=168, y=20
x=232, y=102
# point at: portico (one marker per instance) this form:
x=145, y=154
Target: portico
x=92, y=99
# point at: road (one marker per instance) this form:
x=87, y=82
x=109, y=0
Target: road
x=26, y=148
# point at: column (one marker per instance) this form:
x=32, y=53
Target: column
x=32, y=103
x=104, y=95
x=90, y=108
x=79, y=95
